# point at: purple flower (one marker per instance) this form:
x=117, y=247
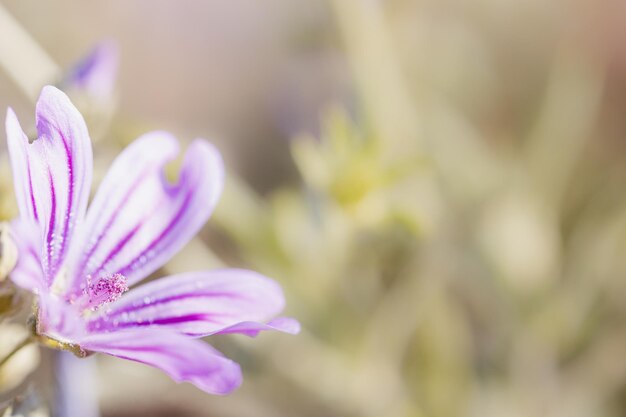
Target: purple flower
x=80, y=262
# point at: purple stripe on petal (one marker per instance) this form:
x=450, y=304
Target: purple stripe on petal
x=88, y=254
x=164, y=321
x=165, y=233
x=120, y=245
x=31, y=192
x=51, y=226
x=70, y=196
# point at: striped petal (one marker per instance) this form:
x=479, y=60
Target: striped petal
x=52, y=175
x=183, y=359
x=138, y=220
x=198, y=304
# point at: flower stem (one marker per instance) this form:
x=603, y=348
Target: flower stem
x=76, y=388
x=27, y=341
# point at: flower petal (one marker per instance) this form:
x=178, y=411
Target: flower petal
x=252, y=329
x=138, y=220
x=52, y=175
x=196, y=303
x=58, y=319
x=183, y=359
x=27, y=272
x=17, y=142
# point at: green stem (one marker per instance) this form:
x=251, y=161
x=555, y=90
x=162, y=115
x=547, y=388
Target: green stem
x=27, y=341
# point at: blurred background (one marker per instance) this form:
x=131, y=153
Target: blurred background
x=439, y=186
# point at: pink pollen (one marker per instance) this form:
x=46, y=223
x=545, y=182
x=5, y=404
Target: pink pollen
x=104, y=290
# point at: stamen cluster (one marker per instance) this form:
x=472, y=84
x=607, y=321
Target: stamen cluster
x=103, y=290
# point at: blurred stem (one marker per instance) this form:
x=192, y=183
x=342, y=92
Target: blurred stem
x=385, y=94
x=23, y=59
x=565, y=120
x=76, y=391
x=27, y=341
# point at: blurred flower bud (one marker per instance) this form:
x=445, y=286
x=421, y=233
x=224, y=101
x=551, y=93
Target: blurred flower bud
x=343, y=163
x=96, y=73
x=91, y=84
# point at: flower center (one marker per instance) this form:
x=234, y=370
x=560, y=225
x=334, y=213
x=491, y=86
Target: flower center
x=103, y=290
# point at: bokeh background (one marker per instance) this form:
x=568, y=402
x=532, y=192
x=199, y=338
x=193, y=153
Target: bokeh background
x=439, y=186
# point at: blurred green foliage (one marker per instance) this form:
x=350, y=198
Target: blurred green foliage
x=446, y=259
